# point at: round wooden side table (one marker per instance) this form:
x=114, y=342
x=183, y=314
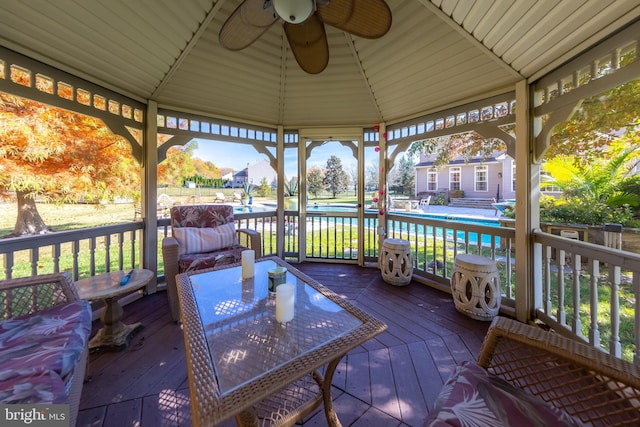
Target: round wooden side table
x=475, y=285
x=396, y=262
x=114, y=334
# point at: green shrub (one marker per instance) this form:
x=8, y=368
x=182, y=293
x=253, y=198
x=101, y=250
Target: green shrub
x=578, y=211
x=456, y=194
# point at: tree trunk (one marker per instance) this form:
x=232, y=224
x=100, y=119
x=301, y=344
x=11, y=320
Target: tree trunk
x=29, y=220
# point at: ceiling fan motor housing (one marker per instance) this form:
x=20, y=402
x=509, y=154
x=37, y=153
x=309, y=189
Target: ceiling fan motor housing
x=294, y=11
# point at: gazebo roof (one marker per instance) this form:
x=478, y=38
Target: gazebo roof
x=438, y=53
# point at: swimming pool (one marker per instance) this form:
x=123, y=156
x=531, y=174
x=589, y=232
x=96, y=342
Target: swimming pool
x=321, y=215
x=253, y=208
x=409, y=226
x=311, y=209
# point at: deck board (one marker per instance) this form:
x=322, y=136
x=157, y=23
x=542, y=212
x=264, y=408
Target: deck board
x=391, y=380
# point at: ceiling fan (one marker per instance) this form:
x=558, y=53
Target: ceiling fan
x=304, y=22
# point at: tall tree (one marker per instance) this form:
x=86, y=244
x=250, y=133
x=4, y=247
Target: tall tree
x=353, y=178
x=59, y=156
x=315, y=181
x=463, y=145
x=598, y=121
x=264, y=189
x=178, y=165
x=336, y=180
x=403, y=175
x=372, y=175
x=206, y=168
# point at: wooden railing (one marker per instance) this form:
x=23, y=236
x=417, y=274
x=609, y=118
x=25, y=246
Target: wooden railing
x=82, y=253
x=589, y=291
x=436, y=242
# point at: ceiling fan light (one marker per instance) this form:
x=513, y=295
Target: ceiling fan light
x=294, y=11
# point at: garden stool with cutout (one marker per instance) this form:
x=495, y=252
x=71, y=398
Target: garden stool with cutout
x=396, y=262
x=475, y=286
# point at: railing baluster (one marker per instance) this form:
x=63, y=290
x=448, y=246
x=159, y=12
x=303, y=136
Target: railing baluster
x=594, y=330
x=577, y=322
x=560, y=261
x=508, y=269
x=35, y=257
x=75, y=247
x=120, y=250
x=614, y=284
x=55, y=255
x=337, y=247
x=636, y=293
x=107, y=252
x=434, y=254
x=133, y=249
x=547, y=279
x=92, y=256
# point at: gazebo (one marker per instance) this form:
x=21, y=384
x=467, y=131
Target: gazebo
x=444, y=67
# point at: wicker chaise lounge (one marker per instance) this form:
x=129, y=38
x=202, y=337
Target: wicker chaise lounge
x=526, y=376
x=44, y=332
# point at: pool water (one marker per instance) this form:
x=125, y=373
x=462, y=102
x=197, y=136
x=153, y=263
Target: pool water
x=444, y=217
x=404, y=227
x=251, y=209
x=420, y=229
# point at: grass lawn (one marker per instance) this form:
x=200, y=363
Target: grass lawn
x=61, y=217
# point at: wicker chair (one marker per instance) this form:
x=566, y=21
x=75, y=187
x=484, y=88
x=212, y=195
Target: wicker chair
x=526, y=375
x=30, y=295
x=213, y=227
x=588, y=384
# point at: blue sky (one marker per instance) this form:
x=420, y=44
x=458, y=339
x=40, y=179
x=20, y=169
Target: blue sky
x=236, y=156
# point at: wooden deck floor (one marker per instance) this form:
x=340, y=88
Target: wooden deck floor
x=389, y=381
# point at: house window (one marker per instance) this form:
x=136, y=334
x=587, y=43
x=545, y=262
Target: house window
x=481, y=176
x=432, y=179
x=513, y=177
x=454, y=178
x=545, y=177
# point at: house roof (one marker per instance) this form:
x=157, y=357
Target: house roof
x=455, y=162
x=437, y=54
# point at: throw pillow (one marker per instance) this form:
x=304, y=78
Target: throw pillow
x=474, y=397
x=193, y=240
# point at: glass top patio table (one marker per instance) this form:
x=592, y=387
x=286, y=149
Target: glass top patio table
x=238, y=354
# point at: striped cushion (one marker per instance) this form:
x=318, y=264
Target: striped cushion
x=193, y=240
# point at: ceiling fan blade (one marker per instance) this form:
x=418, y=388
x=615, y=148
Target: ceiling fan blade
x=246, y=24
x=308, y=42
x=334, y=12
x=369, y=19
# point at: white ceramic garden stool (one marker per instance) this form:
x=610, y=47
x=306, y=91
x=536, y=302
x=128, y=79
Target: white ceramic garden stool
x=475, y=285
x=396, y=262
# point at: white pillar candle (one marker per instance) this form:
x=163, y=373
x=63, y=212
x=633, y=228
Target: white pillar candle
x=284, y=302
x=248, y=263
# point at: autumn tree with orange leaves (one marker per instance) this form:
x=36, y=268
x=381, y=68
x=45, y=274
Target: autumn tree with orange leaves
x=54, y=155
x=177, y=165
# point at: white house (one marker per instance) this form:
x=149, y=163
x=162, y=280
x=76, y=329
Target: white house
x=254, y=174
